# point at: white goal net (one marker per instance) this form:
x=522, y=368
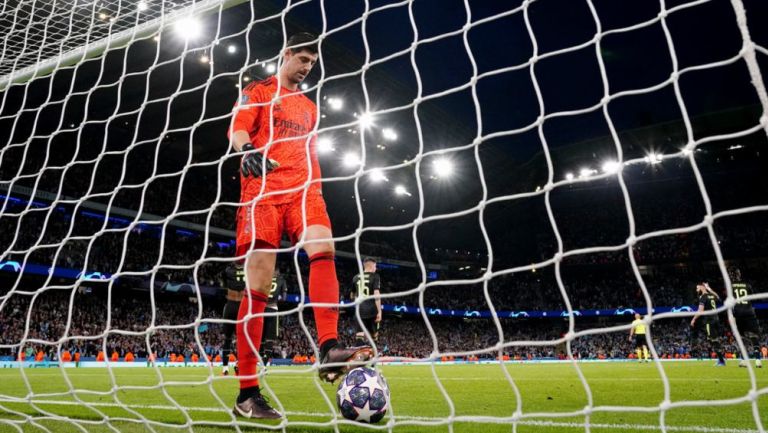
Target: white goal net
x=528, y=175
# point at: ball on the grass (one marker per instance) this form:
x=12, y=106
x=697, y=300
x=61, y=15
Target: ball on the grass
x=363, y=395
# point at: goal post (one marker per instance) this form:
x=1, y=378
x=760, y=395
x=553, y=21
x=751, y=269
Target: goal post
x=117, y=23
x=119, y=196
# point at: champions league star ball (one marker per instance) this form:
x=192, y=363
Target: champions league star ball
x=363, y=395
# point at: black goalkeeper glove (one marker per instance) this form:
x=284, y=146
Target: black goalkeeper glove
x=252, y=162
x=234, y=277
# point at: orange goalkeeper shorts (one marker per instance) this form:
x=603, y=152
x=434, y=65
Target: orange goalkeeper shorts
x=262, y=226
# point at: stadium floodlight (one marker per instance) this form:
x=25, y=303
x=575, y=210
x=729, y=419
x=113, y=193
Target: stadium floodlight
x=653, y=158
x=389, y=134
x=443, y=167
x=611, y=166
x=336, y=104
x=568, y=176
x=325, y=145
x=189, y=28
x=204, y=59
x=232, y=48
x=586, y=172
x=377, y=175
x=304, y=86
x=271, y=68
x=351, y=159
x=400, y=190
x=142, y=6
x=365, y=120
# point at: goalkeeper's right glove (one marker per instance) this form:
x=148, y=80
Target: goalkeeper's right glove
x=252, y=162
x=234, y=277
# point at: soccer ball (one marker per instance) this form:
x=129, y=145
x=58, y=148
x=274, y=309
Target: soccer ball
x=363, y=395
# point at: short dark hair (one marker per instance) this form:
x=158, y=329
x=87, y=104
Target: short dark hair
x=302, y=42
x=369, y=259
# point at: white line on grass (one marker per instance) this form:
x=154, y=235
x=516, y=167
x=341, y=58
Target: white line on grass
x=462, y=419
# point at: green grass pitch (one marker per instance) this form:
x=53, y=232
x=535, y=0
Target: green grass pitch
x=549, y=394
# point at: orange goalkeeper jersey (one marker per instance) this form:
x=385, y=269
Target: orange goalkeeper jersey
x=290, y=124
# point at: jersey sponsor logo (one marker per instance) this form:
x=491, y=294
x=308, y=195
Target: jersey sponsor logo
x=284, y=126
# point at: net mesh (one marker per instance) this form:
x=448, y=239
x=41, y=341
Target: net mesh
x=71, y=153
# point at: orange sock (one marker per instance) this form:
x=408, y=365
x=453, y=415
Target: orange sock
x=246, y=357
x=324, y=287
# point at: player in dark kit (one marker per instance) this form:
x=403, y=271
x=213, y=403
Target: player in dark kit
x=272, y=322
x=709, y=324
x=235, y=281
x=368, y=287
x=746, y=321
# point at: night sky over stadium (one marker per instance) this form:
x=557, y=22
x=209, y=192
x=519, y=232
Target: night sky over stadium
x=702, y=33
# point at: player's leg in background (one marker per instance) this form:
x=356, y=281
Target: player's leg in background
x=231, y=309
x=715, y=341
x=750, y=333
x=646, y=355
x=368, y=324
x=269, y=337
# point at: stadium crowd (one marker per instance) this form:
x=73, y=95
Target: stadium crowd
x=80, y=321
x=74, y=237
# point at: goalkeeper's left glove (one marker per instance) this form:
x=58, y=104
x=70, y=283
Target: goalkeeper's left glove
x=252, y=162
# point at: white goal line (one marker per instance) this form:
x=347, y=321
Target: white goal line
x=407, y=418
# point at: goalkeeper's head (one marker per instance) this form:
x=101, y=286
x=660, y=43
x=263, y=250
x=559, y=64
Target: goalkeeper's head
x=299, y=57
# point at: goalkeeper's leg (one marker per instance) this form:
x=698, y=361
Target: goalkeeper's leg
x=259, y=267
x=324, y=288
x=230, y=313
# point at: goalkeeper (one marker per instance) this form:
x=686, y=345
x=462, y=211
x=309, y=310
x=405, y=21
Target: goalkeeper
x=273, y=128
x=235, y=281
